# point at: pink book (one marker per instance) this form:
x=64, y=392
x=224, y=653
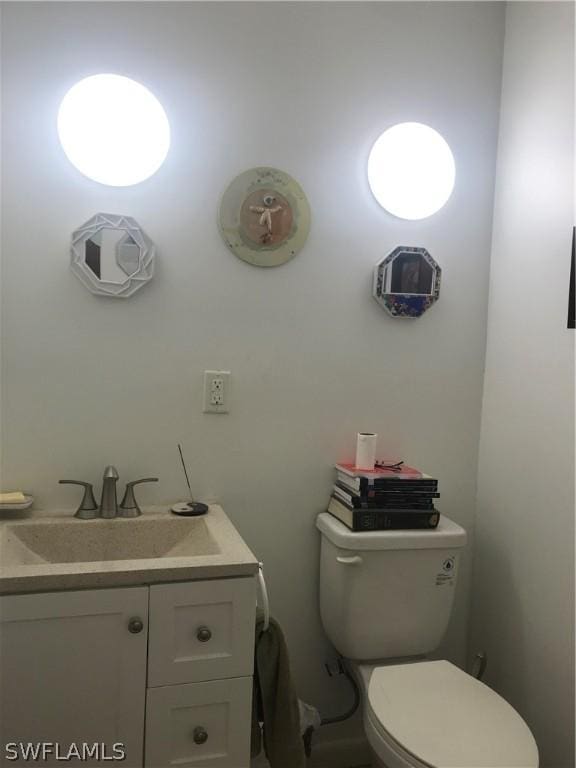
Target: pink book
x=403, y=473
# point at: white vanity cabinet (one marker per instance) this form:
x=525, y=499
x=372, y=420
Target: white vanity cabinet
x=164, y=669
x=71, y=671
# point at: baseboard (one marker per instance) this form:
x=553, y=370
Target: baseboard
x=343, y=753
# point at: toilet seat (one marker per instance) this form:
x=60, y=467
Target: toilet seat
x=430, y=714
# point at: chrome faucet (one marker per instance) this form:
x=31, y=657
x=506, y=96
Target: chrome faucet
x=108, y=501
x=109, y=507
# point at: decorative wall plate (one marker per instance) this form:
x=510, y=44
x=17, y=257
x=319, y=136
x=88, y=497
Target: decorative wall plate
x=112, y=255
x=264, y=217
x=407, y=281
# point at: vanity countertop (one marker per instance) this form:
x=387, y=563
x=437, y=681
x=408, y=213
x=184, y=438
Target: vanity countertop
x=53, y=551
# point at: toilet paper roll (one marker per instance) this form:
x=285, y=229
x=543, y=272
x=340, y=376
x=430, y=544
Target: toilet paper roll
x=366, y=450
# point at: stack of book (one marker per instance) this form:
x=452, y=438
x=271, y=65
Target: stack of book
x=384, y=498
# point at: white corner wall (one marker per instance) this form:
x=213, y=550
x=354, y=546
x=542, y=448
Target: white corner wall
x=306, y=87
x=523, y=587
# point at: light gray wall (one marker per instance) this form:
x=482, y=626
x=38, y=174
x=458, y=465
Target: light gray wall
x=523, y=593
x=305, y=87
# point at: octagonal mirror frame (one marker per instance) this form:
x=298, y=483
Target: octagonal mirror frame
x=144, y=268
x=411, y=288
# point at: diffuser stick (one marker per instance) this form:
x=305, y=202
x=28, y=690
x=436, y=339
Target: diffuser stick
x=188, y=508
x=185, y=471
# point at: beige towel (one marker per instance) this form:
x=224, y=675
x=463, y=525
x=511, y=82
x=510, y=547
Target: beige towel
x=274, y=701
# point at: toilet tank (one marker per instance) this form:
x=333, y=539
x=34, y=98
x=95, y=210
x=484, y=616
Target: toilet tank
x=387, y=594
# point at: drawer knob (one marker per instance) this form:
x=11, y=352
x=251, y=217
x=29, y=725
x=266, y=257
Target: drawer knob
x=200, y=735
x=203, y=634
x=135, y=625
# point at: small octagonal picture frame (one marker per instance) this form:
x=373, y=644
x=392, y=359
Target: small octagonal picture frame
x=407, y=281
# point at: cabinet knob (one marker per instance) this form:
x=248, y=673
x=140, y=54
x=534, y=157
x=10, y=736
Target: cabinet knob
x=200, y=735
x=203, y=634
x=135, y=625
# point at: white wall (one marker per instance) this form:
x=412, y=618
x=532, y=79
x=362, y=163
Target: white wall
x=305, y=87
x=523, y=593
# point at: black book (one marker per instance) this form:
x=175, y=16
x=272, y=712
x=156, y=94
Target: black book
x=408, y=493
x=363, y=485
x=383, y=519
x=378, y=498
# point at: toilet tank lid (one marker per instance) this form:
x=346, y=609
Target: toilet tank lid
x=447, y=535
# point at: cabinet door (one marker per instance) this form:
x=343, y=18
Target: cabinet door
x=201, y=630
x=202, y=725
x=71, y=671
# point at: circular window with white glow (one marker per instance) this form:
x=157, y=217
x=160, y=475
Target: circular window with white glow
x=411, y=171
x=113, y=130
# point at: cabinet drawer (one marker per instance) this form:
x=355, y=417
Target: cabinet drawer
x=201, y=630
x=203, y=725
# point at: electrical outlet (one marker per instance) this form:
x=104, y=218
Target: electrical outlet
x=216, y=391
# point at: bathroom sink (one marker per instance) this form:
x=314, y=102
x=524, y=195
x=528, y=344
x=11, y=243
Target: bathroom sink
x=57, y=551
x=76, y=541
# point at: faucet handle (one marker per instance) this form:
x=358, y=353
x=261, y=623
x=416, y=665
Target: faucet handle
x=88, y=508
x=129, y=506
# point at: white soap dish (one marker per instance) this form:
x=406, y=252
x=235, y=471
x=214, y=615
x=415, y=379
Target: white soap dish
x=26, y=504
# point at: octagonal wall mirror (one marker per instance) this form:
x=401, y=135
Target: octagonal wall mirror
x=111, y=255
x=407, y=281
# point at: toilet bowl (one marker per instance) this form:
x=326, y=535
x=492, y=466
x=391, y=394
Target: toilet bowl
x=430, y=714
x=388, y=595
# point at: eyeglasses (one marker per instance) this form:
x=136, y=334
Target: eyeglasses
x=397, y=467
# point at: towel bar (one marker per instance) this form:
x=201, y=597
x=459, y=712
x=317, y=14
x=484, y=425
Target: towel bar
x=264, y=596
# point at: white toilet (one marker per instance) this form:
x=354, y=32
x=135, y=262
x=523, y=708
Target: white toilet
x=385, y=602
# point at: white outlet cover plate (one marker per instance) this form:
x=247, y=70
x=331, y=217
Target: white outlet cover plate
x=216, y=388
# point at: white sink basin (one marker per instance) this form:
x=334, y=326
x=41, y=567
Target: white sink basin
x=88, y=541
x=56, y=551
